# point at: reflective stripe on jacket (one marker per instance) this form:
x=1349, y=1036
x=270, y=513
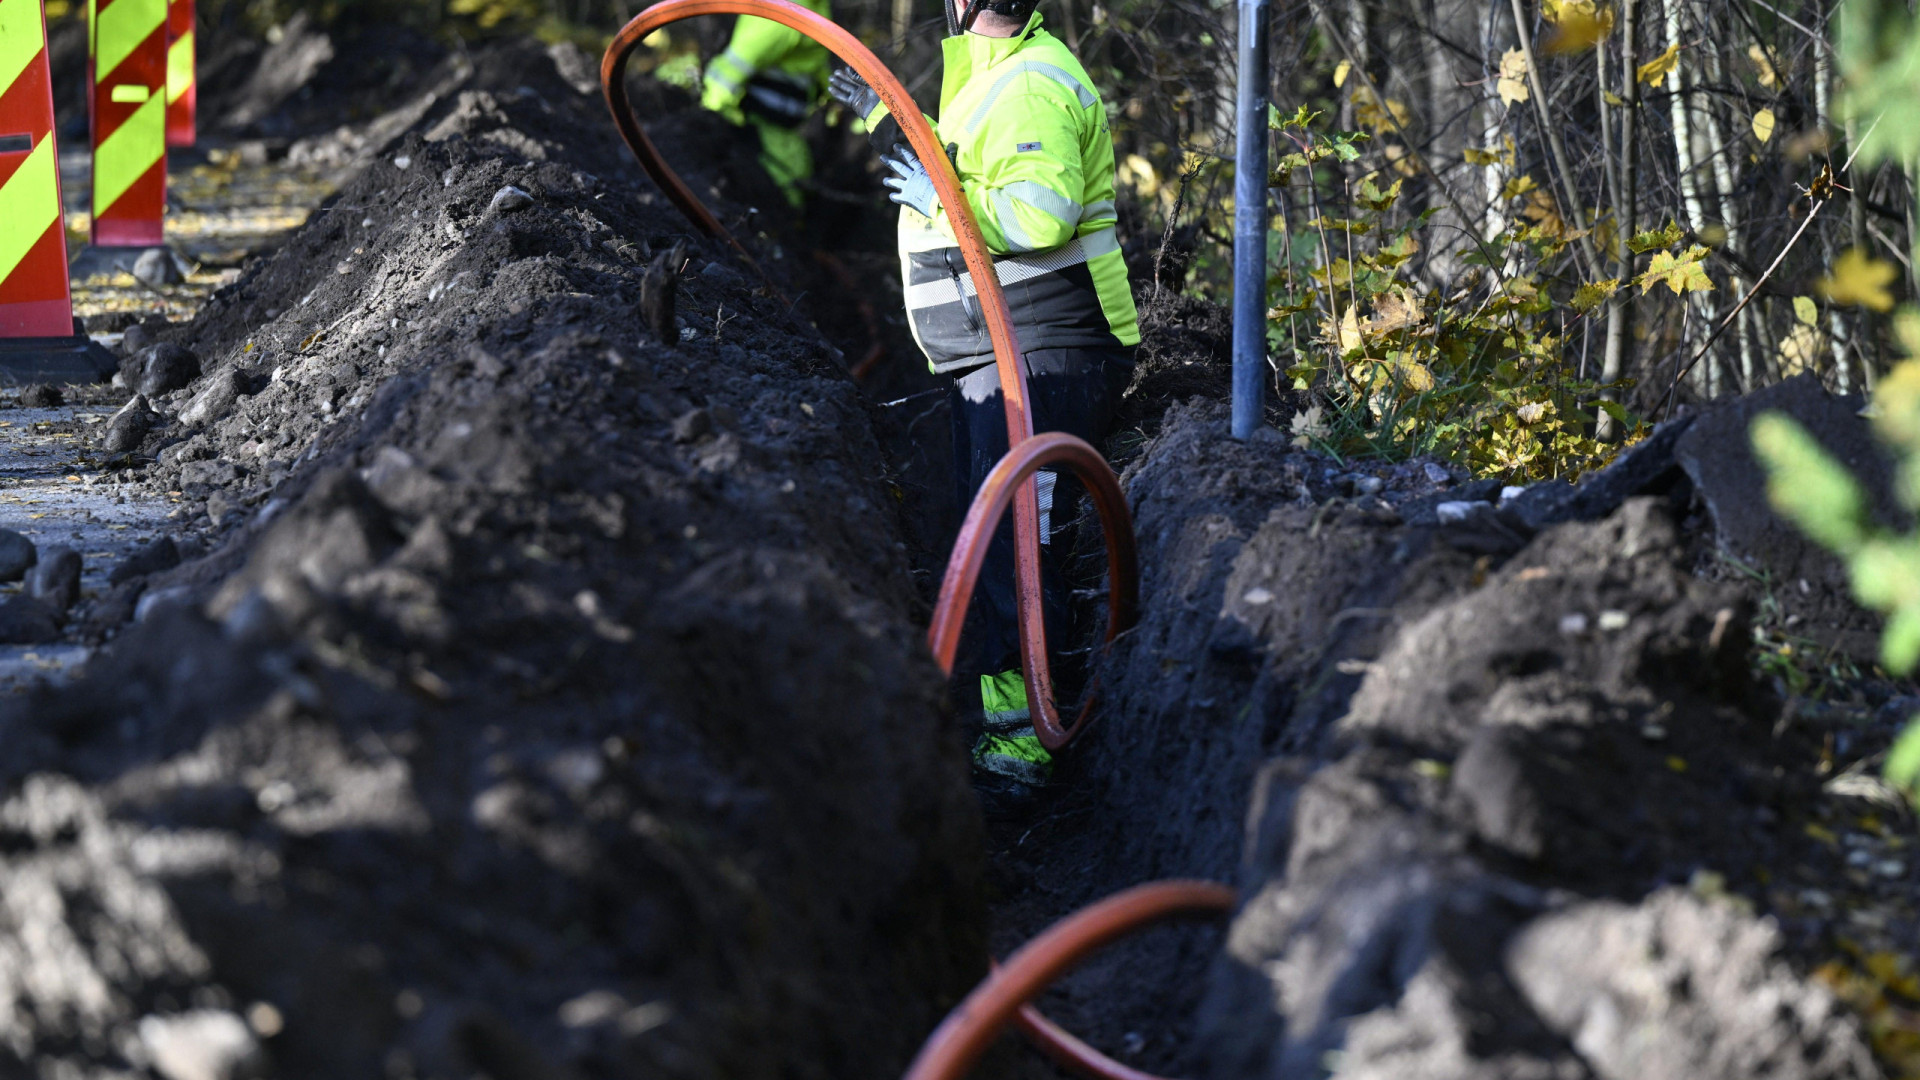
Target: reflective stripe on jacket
x=1030, y=142
x=768, y=69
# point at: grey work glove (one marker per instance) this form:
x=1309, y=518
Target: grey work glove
x=849, y=89
x=910, y=185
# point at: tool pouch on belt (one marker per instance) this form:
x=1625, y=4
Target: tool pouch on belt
x=779, y=97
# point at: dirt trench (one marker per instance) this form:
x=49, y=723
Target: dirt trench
x=523, y=691
x=518, y=693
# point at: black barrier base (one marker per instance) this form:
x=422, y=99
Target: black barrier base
x=77, y=359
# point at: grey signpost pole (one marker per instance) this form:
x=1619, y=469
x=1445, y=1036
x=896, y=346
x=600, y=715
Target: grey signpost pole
x=1250, y=225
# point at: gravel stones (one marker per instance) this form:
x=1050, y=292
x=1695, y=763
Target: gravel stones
x=17, y=555
x=129, y=427
x=164, y=368
x=55, y=579
x=509, y=200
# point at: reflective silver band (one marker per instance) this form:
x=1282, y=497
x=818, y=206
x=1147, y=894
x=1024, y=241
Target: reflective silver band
x=1015, y=270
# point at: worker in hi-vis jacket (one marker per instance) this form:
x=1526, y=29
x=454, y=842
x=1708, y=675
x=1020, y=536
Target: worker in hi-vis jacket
x=1028, y=136
x=771, y=77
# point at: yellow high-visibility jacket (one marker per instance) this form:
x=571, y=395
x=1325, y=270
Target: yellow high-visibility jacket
x=768, y=69
x=1030, y=142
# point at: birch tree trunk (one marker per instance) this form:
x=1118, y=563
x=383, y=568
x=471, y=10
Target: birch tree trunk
x=1620, y=309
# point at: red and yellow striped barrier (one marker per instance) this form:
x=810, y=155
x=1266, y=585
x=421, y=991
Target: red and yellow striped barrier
x=182, y=87
x=128, y=101
x=34, y=297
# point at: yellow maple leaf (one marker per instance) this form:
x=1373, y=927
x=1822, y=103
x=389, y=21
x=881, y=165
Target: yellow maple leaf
x=1344, y=333
x=1512, y=83
x=1544, y=211
x=1341, y=71
x=1799, y=350
x=1366, y=110
x=1578, y=25
x=1763, y=125
x=1763, y=68
x=1480, y=157
x=1682, y=273
x=1859, y=278
x=1655, y=71
x=1517, y=187
x=1393, y=311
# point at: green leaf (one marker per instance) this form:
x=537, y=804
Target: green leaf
x=1807, y=486
x=1900, y=641
x=1806, y=311
x=1658, y=238
x=1903, y=763
x=1588, y=297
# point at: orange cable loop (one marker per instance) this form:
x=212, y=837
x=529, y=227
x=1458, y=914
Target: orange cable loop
x=970, y=552
x=957, y=1044
x=1143, y=904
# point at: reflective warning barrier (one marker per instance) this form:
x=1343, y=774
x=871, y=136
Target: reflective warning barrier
x=182, y=87
x=128, y=102
x=34, y=301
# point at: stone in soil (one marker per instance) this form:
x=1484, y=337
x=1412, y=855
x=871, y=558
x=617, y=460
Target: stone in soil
x=216, y=396
x=156, y=269
x=204, y=1044
x=164, y=368
x=509, y=200
x=17, y=555
x=150, y=558
x=27, y=621
x=129, y=427
x=55, y=579
x=42, y=396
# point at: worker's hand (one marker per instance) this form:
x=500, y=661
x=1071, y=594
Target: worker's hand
x=910, y=184
x=849, y=89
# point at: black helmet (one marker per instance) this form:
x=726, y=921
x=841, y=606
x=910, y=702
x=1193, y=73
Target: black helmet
x=1018, y=10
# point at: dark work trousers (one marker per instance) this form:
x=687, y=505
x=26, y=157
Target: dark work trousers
x=1071, y=390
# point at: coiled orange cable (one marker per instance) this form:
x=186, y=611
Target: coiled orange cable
x=956, y=1045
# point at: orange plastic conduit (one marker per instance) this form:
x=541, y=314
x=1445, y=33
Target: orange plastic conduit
x=993, y=301
x=956, y=1045
x=976, y=532
x=1122, y=563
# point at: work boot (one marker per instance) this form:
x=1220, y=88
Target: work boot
x=1009, y=764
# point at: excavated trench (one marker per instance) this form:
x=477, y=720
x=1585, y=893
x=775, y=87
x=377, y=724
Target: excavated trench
x=505, y=671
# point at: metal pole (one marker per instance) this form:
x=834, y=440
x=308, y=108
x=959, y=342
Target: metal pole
x=1250, y=225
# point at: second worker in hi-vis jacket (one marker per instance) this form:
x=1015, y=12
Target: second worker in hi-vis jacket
x=1028, y=137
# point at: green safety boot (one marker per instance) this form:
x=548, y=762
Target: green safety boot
x=1009, y=764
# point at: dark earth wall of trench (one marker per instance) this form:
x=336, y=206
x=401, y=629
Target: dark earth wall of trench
x=547, y=699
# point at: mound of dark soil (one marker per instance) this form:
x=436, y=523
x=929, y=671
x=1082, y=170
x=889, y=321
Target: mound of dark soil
x=1470, y=778
x=549, y=702
x=1528, y=779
